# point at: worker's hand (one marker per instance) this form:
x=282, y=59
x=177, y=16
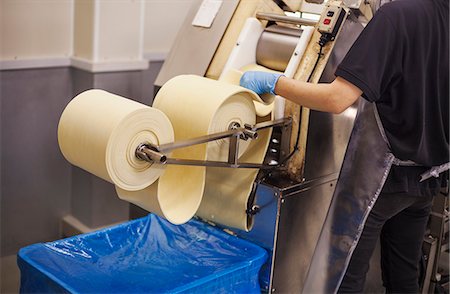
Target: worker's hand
x=260, y=82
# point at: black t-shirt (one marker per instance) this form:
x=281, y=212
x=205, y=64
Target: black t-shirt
x=401, y=62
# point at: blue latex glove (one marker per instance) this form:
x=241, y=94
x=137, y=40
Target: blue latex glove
x=260, y=82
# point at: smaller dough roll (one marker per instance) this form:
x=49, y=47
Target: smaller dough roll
x=99, y=132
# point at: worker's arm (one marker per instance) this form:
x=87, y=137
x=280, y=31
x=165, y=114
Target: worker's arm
x=334, y=97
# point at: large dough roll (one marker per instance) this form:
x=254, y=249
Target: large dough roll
x=196, y=106
x=99, y=132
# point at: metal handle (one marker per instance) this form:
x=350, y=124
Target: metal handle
x=285, y=19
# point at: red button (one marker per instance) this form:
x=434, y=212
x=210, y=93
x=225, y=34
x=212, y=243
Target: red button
x=326, y=21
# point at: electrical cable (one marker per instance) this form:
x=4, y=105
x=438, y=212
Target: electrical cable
x=297, y=141
x=296, y=146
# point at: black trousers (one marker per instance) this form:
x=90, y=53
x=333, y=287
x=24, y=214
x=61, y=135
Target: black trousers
x=400, y=221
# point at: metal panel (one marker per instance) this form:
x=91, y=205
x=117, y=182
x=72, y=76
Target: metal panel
x=190, y=53
x=300, y=223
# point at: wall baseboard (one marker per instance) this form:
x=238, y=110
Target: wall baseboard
x=34, y=63
x=113, y=66
x=84, y=64
x=156, y=56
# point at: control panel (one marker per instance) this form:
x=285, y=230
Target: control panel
x=331, y=19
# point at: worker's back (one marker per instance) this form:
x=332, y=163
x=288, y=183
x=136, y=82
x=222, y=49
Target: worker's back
x=407, y=64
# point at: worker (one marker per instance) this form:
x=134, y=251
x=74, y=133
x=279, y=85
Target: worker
x=400, y=65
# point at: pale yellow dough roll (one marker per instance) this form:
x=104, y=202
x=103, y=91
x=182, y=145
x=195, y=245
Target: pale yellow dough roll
x=99, y=132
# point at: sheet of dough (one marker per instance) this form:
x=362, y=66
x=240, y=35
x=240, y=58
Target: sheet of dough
x=227, y=191
x=99, y=132
x=196, y=106
x=233, y=76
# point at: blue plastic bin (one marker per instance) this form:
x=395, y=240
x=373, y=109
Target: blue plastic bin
x=146, y=255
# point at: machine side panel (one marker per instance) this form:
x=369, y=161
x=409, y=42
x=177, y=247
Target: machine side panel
x=328, y=134
x=190, y=54
x=300, y=223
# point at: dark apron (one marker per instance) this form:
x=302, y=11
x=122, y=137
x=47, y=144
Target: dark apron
x=366, y=165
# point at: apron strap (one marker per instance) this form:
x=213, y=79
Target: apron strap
x=399, y=162
x=380, y=125
x=435, y=171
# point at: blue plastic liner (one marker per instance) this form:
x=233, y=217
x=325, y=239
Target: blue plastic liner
x=145, y=255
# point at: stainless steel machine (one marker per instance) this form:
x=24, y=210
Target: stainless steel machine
x=288, y=214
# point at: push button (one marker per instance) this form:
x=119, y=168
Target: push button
x=326, y=21
x=330, y=13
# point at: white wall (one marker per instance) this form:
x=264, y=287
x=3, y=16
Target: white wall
x=119, y=35
x=83, y=33
x=31, y=29
x=163, y=19
x=38, y=33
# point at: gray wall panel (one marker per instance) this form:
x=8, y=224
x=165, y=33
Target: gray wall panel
x=1, y=146
x=148, y=81
x=81, y=81
x=126, y=84
x=35, y=176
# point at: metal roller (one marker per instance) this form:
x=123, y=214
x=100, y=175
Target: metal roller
x=276, y=45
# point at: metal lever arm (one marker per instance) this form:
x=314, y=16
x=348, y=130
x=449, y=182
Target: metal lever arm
x=155, y=154
x=285, y=19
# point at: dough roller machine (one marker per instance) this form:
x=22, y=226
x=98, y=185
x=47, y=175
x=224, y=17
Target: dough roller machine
x=288, y=213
